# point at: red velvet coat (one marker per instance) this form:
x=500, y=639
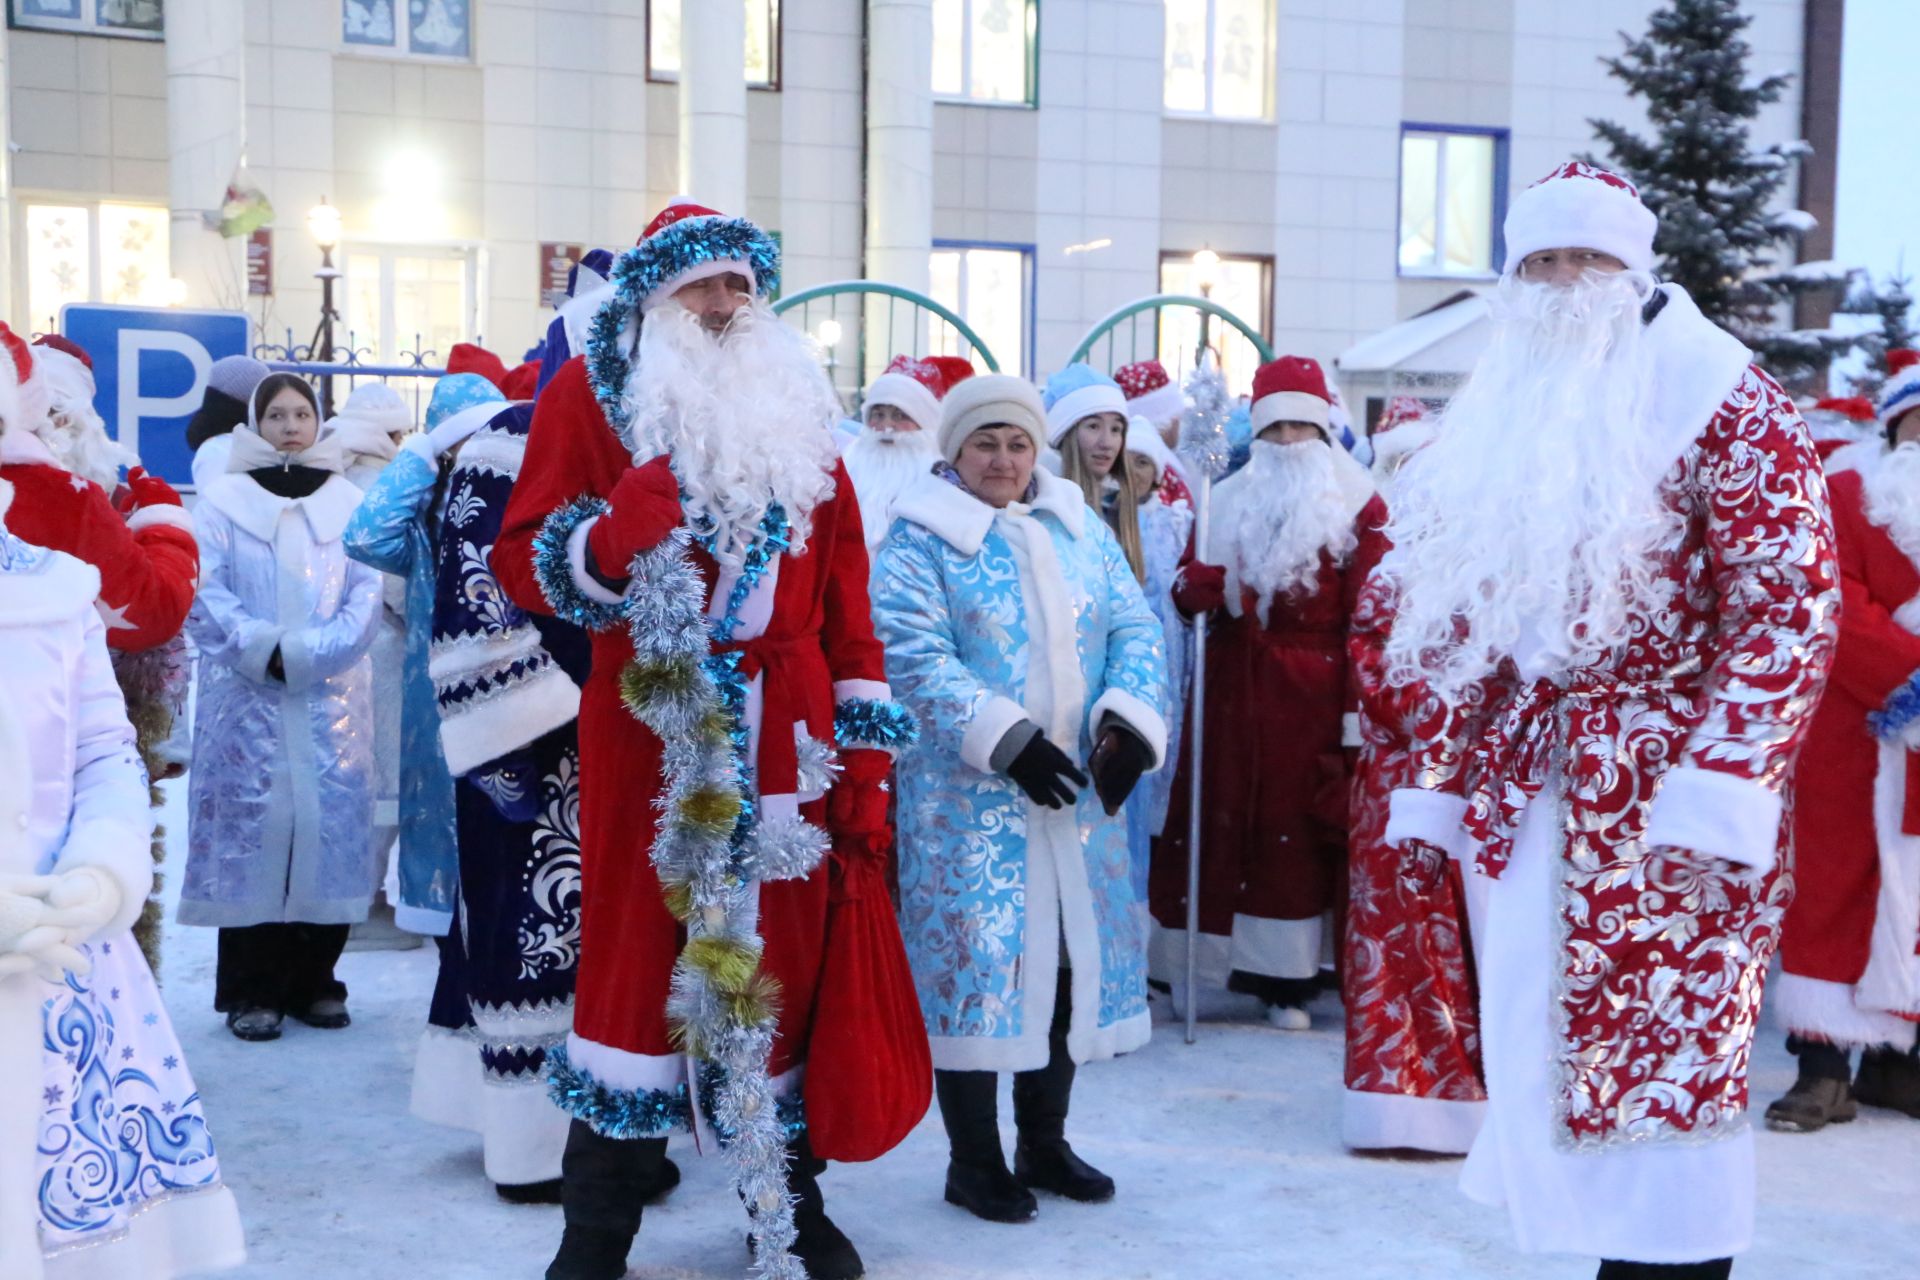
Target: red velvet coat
x=817, y=648
x=149, y=562
x=1858, y=816
x=1273, y=835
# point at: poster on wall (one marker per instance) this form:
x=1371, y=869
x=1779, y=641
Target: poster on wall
x=260, y=262
x=138, y=19
x=556, y=260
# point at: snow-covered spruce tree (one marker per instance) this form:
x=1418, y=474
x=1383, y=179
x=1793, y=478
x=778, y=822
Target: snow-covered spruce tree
x=1699, y=171
x=1801, y=358
x=1891, y=303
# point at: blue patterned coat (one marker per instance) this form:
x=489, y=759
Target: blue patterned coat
x=990, y=618
x=389, y=532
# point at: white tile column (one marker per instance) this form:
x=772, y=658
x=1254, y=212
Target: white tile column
x=713, y=104
x=899, y=141
x=206, y=113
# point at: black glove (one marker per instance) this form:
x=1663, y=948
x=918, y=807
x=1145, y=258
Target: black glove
x=1046, y=774
x=1119, y=758
x=275, y=667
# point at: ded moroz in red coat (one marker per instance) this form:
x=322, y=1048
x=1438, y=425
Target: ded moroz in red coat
x=1850, y=972
x=1273, y=833
x=148, y=560
x=807, y=632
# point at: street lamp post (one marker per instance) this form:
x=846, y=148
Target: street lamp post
x=323, y=223
x=1206, y=274
x=830, y=334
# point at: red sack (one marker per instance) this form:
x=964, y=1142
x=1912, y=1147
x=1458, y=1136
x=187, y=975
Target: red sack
x=869, y=1071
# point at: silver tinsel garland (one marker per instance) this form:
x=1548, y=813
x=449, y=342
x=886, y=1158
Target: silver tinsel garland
x=1203, y=427
x=720, y=1003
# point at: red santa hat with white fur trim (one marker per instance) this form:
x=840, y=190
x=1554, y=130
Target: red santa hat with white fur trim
x=1402, y=428
x=1292, y=389
x=1581, y=206
x=1150, y=391
x=23, y=393
x=916, y=386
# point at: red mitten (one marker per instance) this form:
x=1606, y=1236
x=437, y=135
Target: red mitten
x=645, y=508
x=150, y=490
x=857, y=805
x=1200, y=587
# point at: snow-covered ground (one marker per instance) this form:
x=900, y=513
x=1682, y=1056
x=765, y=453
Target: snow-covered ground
x=1227, y=1154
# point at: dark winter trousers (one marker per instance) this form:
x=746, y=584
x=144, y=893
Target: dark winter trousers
x=285, y=967
x=1820, y=1060
x=969, y=1100
x=1718, y=1269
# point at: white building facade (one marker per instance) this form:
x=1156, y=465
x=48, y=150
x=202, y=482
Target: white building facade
x=1035, y=164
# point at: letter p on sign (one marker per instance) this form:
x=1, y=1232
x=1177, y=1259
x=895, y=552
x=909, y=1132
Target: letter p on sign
x=150, y=368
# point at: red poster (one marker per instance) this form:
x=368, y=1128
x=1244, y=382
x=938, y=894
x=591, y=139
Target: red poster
x=260, y=262
x=556, y=260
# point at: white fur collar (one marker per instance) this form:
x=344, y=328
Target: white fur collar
x=24, y=448
x=961, y=520
x=1696, y=366
x=1861, y=456
x=251, y=507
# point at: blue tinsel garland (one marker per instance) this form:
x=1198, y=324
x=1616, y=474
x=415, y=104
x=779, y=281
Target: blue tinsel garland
x=1902, y=709
x=615, y=1113
x=869, y=722
x=790, y=1108
x=554, y=572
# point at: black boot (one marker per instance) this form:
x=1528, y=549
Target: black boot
x=1042, y=1159
x=606, y=1181
x=1717, y=1269
x=1821, y=1095
x=1890, y=1078
x=821, y=1246
x=978, y=1179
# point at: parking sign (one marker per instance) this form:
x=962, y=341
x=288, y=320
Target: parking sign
x=150, y=372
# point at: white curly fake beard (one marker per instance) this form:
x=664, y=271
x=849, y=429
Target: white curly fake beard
x=1289, y=510
x=1892, y=489
x=1537, y=510
x=747, y=417
x=882, y=464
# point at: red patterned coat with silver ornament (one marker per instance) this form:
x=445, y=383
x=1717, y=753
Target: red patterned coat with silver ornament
x=1694, y=725
x=1413, y=1022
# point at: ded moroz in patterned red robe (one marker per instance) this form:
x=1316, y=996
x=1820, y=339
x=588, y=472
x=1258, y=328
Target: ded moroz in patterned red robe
x=1684, y=739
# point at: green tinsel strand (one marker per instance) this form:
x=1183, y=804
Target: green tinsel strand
x=758, y=1002
x=679, y=898
x=729, y=965
x=644, y=685
x=712, y=811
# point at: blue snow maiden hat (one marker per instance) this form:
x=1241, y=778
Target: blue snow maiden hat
x=1079, y=391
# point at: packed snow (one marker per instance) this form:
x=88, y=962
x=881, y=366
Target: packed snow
x=1227, y=1154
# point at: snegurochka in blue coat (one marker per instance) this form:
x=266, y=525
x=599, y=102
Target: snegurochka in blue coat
x=1017, y=635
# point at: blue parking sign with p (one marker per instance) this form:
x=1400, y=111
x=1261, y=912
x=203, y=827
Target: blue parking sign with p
x=150, y=372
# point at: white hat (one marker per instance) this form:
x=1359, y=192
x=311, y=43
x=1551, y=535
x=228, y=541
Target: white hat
x=1902, y=390
x=1581, y=206
x=23, y=393
x=1145, y=439
x=990, y=400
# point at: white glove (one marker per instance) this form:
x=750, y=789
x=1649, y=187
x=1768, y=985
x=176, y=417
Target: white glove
x=23, y=908
x=86, y=899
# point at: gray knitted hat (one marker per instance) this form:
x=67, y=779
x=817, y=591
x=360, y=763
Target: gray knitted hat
x=236, y=376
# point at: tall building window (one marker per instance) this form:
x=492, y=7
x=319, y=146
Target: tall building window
x=1244, y=286
x=1220, y=58
x=104, y=252
x=763, y=41
x=990, y=286
x=409, y=300
x=1452, y=197
x=426, y=28
x=984, y=50
x=140, y=19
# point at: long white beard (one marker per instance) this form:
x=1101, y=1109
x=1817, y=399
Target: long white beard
x=747, y=418
x=883, y=464
x=1289, y=509
x=77, y=438
x=1892, y=490
x=1539, y=502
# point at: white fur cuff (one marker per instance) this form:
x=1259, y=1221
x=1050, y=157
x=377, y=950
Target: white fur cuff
x=990, y=724
x=1432, y=817
x=1717, y=814
x=161, y=515
x=577, y=562
x=1138, y=716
